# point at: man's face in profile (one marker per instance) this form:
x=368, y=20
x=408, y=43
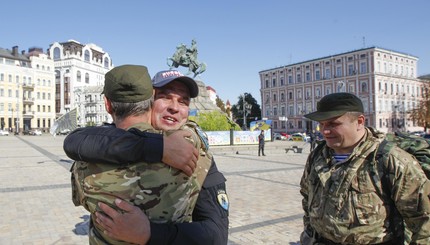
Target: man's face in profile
x=171, y=106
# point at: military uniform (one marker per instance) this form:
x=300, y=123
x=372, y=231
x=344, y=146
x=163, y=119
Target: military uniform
x=165, y=194
x=111, y=145
x=349, y=203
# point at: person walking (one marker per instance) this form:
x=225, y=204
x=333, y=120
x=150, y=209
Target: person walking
x=351, y=197
x=261, y=143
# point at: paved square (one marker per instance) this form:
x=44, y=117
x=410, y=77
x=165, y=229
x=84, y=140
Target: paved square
x=35, y=195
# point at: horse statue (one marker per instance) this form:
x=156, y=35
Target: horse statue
x=187, y=57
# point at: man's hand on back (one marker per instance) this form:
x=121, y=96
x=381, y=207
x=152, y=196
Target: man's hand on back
x=131, y=226
x=179, y=153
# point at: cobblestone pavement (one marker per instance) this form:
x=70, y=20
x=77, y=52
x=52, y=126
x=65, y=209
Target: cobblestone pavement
x=35, y=194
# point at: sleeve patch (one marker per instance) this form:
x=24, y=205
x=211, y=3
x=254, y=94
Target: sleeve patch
x=223, y=199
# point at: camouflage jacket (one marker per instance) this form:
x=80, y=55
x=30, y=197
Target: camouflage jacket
x=343, y=203
x=165, y=194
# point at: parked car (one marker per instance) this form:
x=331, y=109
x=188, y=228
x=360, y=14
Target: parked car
x=287, y=136
x=64, y=131
x=4, y=133
x=426, y=136
x=299, y=137
x=278, y=136
x=36, y=132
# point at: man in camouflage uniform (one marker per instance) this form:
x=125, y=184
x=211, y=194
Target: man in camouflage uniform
x=348, y=197
x=163, y=193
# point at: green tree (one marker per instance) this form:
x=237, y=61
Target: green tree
x=220, y=103
x=214, y=121
x=238, y=109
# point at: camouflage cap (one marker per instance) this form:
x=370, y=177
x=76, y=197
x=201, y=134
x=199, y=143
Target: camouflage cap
x=335, y=105
x=164, y=77
x=128, y=83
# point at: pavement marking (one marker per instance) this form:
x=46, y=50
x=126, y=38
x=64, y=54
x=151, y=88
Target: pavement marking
x=66, y=163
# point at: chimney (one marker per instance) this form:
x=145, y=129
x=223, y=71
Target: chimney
x=15, y=50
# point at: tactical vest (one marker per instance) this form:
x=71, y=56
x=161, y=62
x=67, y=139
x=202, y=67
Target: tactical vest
x=165, y=194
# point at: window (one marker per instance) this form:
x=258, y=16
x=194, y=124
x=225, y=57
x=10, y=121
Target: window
x=87, y=56
x=290, y=79
x=290, y=95
x=282, y=97
x=106, y=63
x=351, y=88
x=363, y=68
x=363, y=86
x=78, y=76
x=299, y=94
x=9, y=92
x=87, y=78
x=49, y=96
x=299, y=78
x=282, y=81
x=290, y=110
x=317, y=75
x=17, y=79
x=318, y=92
x=1, y=92
x=267, y=83
x=350, y=69
x=1, y=77
x=10, y=78
x=57, y=53
x=274, y=97
x=308, y=93
x=327, y=73
x=308, y=76
x=327, y=90
x=274, y=82
x=339, y=71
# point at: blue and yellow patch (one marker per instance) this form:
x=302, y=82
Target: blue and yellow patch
x=223, y=199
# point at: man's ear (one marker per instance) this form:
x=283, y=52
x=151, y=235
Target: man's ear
x=108, y=105
x=361, y=120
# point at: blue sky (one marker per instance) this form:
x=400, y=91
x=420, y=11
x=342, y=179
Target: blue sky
x=236, y=39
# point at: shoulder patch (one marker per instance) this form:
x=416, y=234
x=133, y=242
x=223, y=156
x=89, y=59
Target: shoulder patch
x=223, y=199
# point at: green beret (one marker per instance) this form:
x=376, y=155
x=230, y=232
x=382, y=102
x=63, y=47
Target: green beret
x=128, y=84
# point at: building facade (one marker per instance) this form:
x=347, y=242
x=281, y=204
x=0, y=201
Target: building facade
x=27, y=90
x=90, y=106
x=385, y=80
x=76, y=66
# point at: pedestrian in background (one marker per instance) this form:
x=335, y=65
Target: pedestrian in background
x=350, y=197
x=261, y=143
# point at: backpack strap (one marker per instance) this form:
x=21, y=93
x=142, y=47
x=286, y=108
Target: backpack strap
x=380, y=168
